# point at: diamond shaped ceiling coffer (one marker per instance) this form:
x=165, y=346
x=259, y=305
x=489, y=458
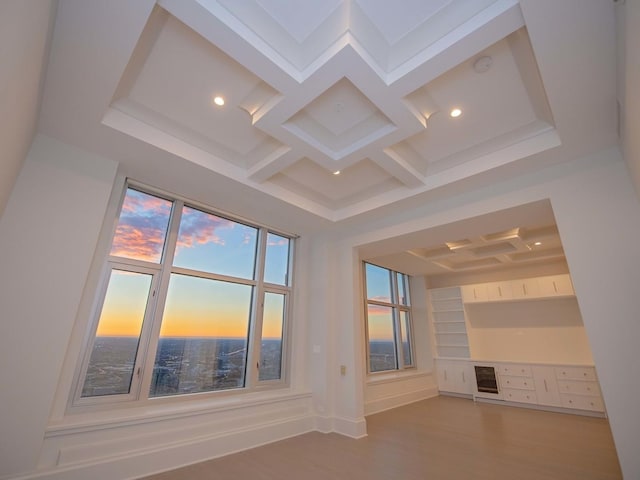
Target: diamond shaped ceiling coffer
x=339, y=121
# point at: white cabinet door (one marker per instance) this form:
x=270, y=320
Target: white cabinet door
x=556, y=286
x=499, y=291
x=525, y=288
x=547, y=391
x=454, y=377
x=474, y=293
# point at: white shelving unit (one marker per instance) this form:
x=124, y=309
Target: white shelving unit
x=449, y=325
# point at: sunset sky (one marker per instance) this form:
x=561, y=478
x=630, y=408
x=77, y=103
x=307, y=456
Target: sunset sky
x=194, y=307
x=380, y=318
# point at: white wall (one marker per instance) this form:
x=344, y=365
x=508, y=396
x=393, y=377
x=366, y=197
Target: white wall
x=545, y=331
x=25, y=28
x=51, y=251
x=598, y=217
x=47, y=237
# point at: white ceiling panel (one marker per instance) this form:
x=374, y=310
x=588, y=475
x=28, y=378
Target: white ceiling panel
x=361, y=86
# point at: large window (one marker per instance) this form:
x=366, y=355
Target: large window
x=388, y=309
x=190, y=302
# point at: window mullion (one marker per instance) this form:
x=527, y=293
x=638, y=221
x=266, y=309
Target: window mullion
x=397, y=330
x=257, y=312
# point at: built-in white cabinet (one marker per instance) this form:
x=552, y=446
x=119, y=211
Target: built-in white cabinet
x=547, y=391
x=574, y=387
x=579, y=388
x=524, y=289
x=455, y=376
x=449, y=325
x=497, y=291
x=556, y=286
x=516, y=383
x=475, y=293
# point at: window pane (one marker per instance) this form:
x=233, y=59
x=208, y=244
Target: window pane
x=277, y=259
x=203, y=337
x=405, y=325
x=403, y=298
x=271, y=343
x=142, y=227
x=114, y=351
x=214, y=244
x=382, y=351
x=378, y=283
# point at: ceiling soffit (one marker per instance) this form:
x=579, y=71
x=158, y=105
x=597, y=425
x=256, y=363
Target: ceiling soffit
x=354, y=86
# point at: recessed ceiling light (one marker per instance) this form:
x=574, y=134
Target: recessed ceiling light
x=456, y=112
x=337, y=172
x=218, y=101
x=537, y=244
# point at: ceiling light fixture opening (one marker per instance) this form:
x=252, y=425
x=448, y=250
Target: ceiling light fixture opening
x=218, y=101
x=455, y=113
x=337, y=172
x=537, y=244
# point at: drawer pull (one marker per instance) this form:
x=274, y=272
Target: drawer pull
x=525, y=383
x=463, y=380
x=555, y=288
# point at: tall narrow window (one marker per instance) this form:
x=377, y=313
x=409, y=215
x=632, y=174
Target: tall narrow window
x=389, y=326
x=112, y=361
x=189, y=297
x=271, y=339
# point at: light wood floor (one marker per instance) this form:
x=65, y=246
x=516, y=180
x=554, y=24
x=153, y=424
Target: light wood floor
x=439, y=438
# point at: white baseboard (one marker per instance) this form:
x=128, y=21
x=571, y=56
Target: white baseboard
x=353, y=428
x=386, y=403
x=143, y=462
x=350, y=427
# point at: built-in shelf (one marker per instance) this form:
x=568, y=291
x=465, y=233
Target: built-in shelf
x=448, y=321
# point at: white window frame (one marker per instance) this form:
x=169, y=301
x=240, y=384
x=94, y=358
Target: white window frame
x=161, y=274
x=396, y=307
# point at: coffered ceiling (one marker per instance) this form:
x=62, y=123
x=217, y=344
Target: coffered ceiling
x=334, y=107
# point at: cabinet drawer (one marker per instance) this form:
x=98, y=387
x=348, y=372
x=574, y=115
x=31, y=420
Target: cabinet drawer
x=524, y=396
x=525, y=383
x=577, y=387
x=583, y=402
x=576, y=373
x=515, y=370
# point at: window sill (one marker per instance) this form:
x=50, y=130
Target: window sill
x=391, y=377
x=148, y=413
